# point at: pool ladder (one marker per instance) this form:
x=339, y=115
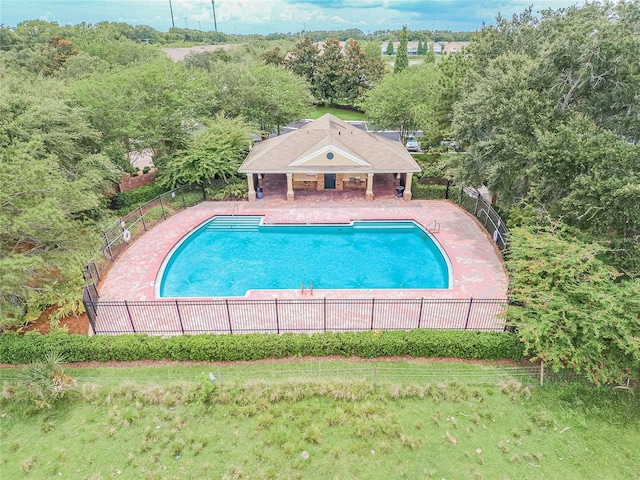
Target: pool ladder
x=310, y=287
x=434, y=227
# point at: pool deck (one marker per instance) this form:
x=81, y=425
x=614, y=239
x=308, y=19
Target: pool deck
x=478, y=270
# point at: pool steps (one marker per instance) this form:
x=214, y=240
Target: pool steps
x=235, y=224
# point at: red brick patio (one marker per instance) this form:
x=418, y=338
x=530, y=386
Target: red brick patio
x=478, y=271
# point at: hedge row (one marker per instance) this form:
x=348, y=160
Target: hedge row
x=16, y=349
x=127, y=201
x=428, y=192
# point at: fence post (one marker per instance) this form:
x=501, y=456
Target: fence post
x=95, y=267
x=226, y=301
x=446, y=192
x=144, y=224
x=179, y=317
x=373, y=305
x=184, y=203
x=126, y=305
x=90, y=308
x=204, y=192
x=324, y=314
x=277, y=318
x=164, y=216
x=420, y=312
x=475, y=211
x=466, y=324
x=460, y=199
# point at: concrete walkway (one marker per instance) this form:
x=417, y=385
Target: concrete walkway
x=478, y=271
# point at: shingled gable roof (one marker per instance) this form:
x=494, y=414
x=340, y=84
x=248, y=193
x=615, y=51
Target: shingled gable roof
x=300, y=151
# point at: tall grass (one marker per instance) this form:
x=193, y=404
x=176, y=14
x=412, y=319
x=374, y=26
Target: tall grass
x=302, y=427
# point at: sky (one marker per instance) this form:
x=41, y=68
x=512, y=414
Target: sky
x=272, y=16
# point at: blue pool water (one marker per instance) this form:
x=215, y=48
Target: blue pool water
x=228, y=256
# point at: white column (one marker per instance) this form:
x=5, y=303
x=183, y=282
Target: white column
x=252, y=188
x=369, y=194
x=290, y=194
x=407, y=187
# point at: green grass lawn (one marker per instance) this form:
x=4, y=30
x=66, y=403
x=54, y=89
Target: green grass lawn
x=341, y=113
x=321, y=419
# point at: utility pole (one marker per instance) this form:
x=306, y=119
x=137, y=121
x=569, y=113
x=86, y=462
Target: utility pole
x=215, y=25
x=186, y=25
x=172, y=21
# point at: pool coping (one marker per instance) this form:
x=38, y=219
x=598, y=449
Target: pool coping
x=249, y=293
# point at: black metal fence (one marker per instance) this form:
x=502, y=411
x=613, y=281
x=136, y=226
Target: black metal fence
x=143, y=218
x=473, y=202
x=176, y=317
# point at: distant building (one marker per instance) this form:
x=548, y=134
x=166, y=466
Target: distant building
x=448, y=48
x=320, y=46
x=412, y=48
x=451, y=48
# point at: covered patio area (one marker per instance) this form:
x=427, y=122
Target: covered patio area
x=274, y=185
x=329, y=155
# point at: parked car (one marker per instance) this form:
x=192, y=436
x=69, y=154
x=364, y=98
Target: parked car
x=412, y=145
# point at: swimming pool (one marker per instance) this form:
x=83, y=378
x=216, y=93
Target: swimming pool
x=228, y=256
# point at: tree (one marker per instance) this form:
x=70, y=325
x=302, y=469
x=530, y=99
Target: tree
x=328, y=77
x=568, y=308
x=435, y=117
x=402, y=57
x=584, y=173
x=430, y=55
x=207, y=60
x=399, y=101
x=335, y=74
x=542, y=125
x=371, y=49
x=275, y=56
x=496, y=120
x=389, y=50
x=215, y=150
x=304, y=59
x=265, y=95
x=152, y=104
x=359, y=72
x=53, y=179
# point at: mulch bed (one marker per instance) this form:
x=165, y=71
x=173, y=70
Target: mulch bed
x=78, y=325
x=130, y=183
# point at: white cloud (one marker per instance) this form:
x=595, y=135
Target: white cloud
x=337, y=19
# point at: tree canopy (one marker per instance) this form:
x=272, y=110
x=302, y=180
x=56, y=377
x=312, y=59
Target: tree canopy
x=214, y=150
x=53, y=180
x=548, y=108
x=335, y=73
x=568, y=308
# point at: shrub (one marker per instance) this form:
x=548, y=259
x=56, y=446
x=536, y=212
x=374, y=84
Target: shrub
x=127, y=201
x=234, y=190
x=43, y=382
x=428, y=192
x=16, y=349
x=146, y=169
